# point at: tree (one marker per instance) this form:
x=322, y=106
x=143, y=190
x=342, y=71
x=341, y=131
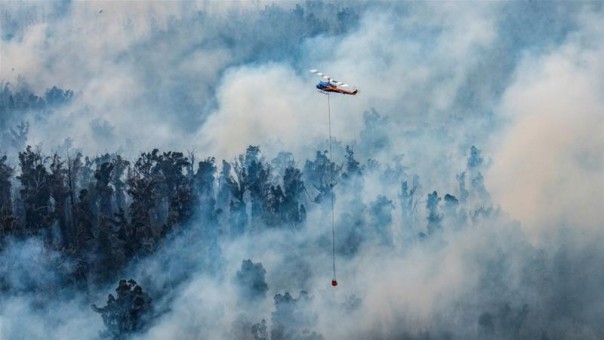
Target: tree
x=453, y=216
x=409, y=202
x=174, y=186
x=434, y=217
x=59, y=194
x=273, y=214
x=56, y=96
x=231, y=197
x=254, y=175
x=353, y=167
x=129, y=313
x=8, y=223
x=204, y=184
x=293, y=187
x=83, y=238
x=243, y=329
x=6, y=172
x=141, y=186
x=475, y=166
x=380, y=216
x=251, y=281
x=293, y=318
x=35, y=191
x=124, y=237
x=85, y=219
x=73, y=166
x=463, y=192
x=322, y=174
x=104, y=191
x=120, y=166
x=104, y=262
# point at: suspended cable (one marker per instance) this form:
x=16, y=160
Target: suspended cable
x=334, y=281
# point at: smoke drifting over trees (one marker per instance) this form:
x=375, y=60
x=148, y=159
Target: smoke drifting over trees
x=181, y=146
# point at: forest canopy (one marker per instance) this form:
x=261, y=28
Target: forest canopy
x=169, y=171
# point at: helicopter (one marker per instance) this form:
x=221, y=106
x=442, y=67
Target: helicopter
x=332, y=85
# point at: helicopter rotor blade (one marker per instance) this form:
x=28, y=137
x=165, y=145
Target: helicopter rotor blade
x=320, y=74
x=331, y=80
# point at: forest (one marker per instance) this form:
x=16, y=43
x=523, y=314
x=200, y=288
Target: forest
x=96, y=215
x=167, y=170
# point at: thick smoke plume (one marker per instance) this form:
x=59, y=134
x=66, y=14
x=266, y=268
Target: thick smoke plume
x=466, y=174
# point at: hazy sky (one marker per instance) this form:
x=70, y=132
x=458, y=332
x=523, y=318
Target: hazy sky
x=523, y=81
x=520, y=80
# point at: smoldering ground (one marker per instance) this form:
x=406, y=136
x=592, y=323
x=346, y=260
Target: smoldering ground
x=521, y=81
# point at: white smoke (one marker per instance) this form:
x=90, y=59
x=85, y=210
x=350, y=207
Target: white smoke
x=447, y=76
x=548, y=161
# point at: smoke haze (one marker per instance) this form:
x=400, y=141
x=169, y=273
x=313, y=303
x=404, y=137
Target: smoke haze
x=499, y=104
